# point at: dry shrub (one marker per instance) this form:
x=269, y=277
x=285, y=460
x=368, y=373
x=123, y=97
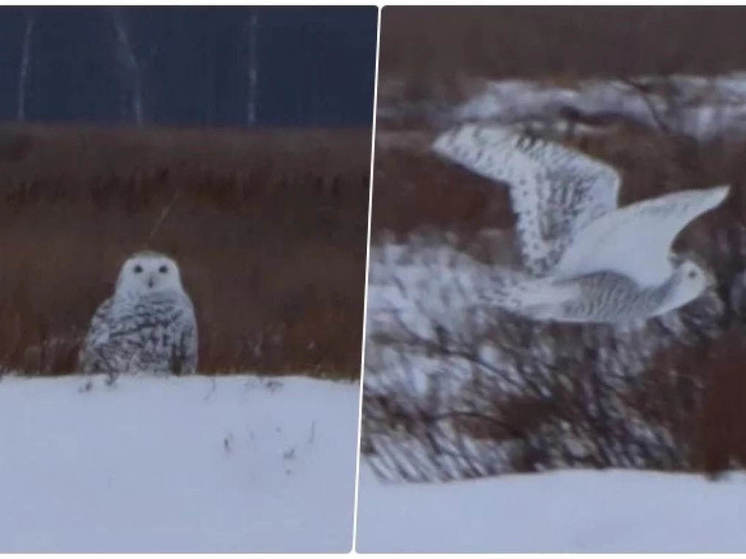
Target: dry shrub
x=721, y=430
x=268, y=227
x=599, y=399
x=701, y=405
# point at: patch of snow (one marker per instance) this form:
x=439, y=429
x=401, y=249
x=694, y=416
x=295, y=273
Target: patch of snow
x=700, y=107
x=559, y=512
x=169, y=464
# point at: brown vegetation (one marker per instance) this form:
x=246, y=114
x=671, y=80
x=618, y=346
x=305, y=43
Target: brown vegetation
x=426, y=52
x=269, y=229
x=436, y=56
x=720, y=429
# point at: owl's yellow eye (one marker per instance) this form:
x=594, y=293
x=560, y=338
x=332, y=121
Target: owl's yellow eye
x=163, y=269
x=138, y=269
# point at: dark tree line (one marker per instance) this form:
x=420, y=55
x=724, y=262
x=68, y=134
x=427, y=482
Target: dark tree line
x=234, y=66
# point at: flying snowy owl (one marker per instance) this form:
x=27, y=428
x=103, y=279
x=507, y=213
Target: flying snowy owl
x=586, y=259
x=148, y=325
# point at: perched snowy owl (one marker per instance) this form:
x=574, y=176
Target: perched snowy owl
x=586, y=259
x=148, y=325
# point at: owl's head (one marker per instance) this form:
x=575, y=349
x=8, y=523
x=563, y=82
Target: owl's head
x=148, y=272
x=694, y=276
x=690, y=279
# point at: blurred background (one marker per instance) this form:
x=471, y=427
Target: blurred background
x=188, y=66
x=452, y=392
x=235, y=139
x=427, y=53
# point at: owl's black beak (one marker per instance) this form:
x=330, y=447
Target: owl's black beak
x=151, y=282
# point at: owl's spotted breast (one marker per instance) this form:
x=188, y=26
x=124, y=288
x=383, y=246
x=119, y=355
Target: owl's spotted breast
x=148, y=325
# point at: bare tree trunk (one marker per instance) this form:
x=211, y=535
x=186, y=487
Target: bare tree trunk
x=316, y=56
x=210, y=108
x=130, y=60
x=23, y=68
x=252, y=94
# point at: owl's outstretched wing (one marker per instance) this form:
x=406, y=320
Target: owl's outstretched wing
x=554, y=191
x=636, y=240
x=185, y=349
x=90, y=356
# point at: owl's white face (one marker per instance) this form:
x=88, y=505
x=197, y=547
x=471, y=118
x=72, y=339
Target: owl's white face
x=145, y=273
x=694, y=277
x=690, y=281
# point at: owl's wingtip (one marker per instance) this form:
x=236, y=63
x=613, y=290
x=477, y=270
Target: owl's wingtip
x=720, y=193
x=440, y=142
x=469, y=135
x=444, y=141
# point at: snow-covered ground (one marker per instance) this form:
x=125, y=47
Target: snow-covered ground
x=698, y=106
x=562, y=511
x=701, y=107
x=237, y=464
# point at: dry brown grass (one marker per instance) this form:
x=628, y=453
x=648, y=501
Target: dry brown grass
x=268, y=228
x=721, y=431
x=426, y=52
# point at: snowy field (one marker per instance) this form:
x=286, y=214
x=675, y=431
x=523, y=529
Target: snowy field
x=697, y=106
x=564, y=511
x=237, y=464
x=701, y=107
